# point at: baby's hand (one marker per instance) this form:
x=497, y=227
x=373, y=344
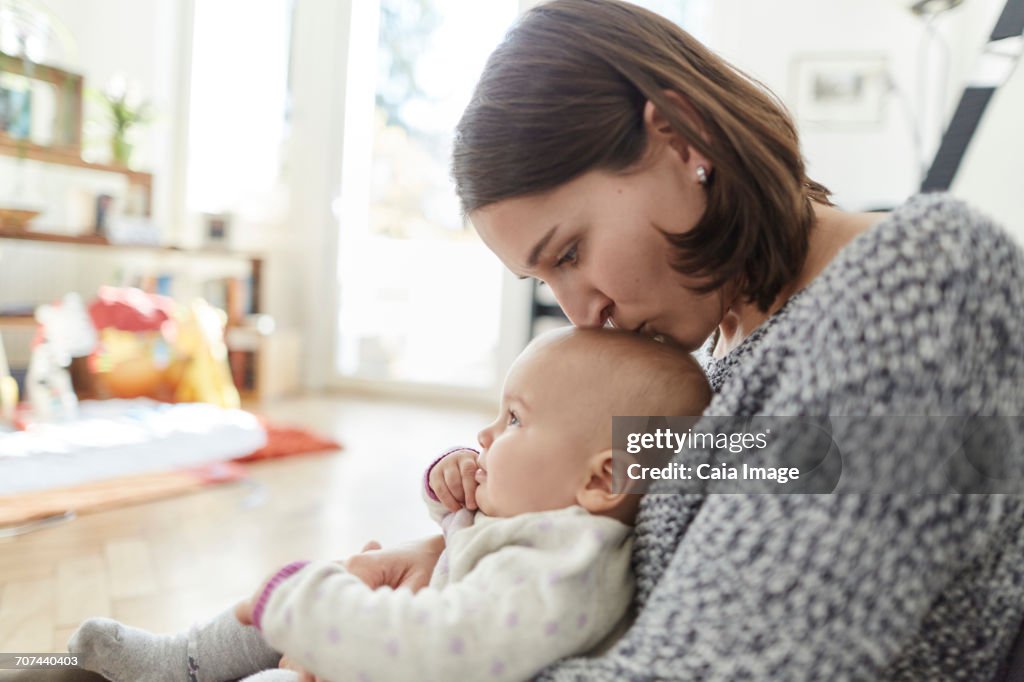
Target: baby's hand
x=453, y=480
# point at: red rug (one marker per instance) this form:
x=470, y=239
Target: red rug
x=285, y=441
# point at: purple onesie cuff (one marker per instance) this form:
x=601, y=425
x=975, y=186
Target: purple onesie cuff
x=279, y=577
x=426, y=474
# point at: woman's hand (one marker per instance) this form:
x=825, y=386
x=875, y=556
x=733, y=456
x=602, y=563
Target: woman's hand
x=453, y=480
x=409, y=565
x=243, y=609
x=304, y=675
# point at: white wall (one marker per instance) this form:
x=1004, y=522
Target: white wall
x=992, y=174
x=870, y=167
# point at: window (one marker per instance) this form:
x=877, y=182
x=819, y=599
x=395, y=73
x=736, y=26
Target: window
x=420, y=296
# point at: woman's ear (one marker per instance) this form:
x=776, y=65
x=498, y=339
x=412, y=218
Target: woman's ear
x=599, y=493
x=659, y=129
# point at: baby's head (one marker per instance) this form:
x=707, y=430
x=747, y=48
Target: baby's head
x=551, y=445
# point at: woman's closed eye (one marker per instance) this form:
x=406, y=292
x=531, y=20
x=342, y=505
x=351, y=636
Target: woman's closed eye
x=569, y=257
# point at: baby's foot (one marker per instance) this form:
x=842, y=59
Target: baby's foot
x=126, y=654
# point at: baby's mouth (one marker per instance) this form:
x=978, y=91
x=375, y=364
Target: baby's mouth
x=480, y=475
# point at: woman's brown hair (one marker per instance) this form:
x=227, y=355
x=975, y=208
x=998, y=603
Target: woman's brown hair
x=564, y=94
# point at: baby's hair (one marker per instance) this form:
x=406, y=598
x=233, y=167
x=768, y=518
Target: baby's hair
x=648, y=377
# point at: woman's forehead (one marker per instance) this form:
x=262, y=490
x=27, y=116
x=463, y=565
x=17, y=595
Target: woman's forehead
x=513, y=227
x=510, y=229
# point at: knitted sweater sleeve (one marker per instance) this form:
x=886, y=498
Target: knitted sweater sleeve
x=845, y=586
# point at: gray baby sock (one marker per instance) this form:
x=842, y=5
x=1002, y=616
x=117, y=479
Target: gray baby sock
x=218, y=651
x=126, y=654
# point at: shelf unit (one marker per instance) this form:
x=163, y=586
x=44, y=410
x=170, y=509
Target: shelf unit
x=256, y=261
x=24, y=149
x=249, y=390
x=66, y=147
x=103, y=242
x=66, y=151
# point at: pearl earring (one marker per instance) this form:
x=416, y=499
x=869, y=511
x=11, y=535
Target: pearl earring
x=702, y=175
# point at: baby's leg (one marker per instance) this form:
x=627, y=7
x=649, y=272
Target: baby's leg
x=220, y=650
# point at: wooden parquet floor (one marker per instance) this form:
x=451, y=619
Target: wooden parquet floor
x=164, y=564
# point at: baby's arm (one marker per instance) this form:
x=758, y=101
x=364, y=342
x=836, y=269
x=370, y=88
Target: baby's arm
x=509, y=618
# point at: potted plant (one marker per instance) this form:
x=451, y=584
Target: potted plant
x=125, y=112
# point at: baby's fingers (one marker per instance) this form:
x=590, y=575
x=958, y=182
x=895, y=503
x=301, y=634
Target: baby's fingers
x=440, y=488
x=446, y=498
x=453, y=479
x=467, y=469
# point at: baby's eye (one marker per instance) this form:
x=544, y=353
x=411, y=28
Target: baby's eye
x=513, y=418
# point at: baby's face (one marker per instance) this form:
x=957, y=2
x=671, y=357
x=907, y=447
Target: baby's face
x=535, y=454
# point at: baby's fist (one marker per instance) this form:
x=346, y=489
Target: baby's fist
x=453, y=480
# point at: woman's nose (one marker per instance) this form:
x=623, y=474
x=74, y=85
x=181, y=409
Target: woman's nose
x=587, y=308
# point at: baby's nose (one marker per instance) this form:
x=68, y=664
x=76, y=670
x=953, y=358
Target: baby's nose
x=484, y=438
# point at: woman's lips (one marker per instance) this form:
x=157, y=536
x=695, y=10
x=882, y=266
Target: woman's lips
x=647, y=330
x=652, y=333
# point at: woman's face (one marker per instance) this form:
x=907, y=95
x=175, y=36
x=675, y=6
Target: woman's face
x=595, y=241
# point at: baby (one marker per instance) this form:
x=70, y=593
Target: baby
x=540, y=571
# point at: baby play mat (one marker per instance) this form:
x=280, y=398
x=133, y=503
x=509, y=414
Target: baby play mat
x=123, y=452
x=116, y=438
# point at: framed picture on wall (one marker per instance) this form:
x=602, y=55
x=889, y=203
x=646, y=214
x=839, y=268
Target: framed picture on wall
x=217, y=230
x=840, y=90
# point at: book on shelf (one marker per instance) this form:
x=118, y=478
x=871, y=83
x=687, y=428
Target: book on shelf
x=233, y=295
x=244, y=369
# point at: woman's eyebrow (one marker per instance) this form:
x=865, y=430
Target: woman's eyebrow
x=534, y=257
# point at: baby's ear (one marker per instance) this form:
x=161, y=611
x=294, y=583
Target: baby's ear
x=599, y=493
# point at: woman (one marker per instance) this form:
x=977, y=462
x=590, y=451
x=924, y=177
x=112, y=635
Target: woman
x=654, y=187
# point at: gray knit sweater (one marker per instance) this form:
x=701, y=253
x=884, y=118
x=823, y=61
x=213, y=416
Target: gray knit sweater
x=922, y=314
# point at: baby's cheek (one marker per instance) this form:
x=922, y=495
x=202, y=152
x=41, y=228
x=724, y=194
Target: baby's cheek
x=483, y=502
